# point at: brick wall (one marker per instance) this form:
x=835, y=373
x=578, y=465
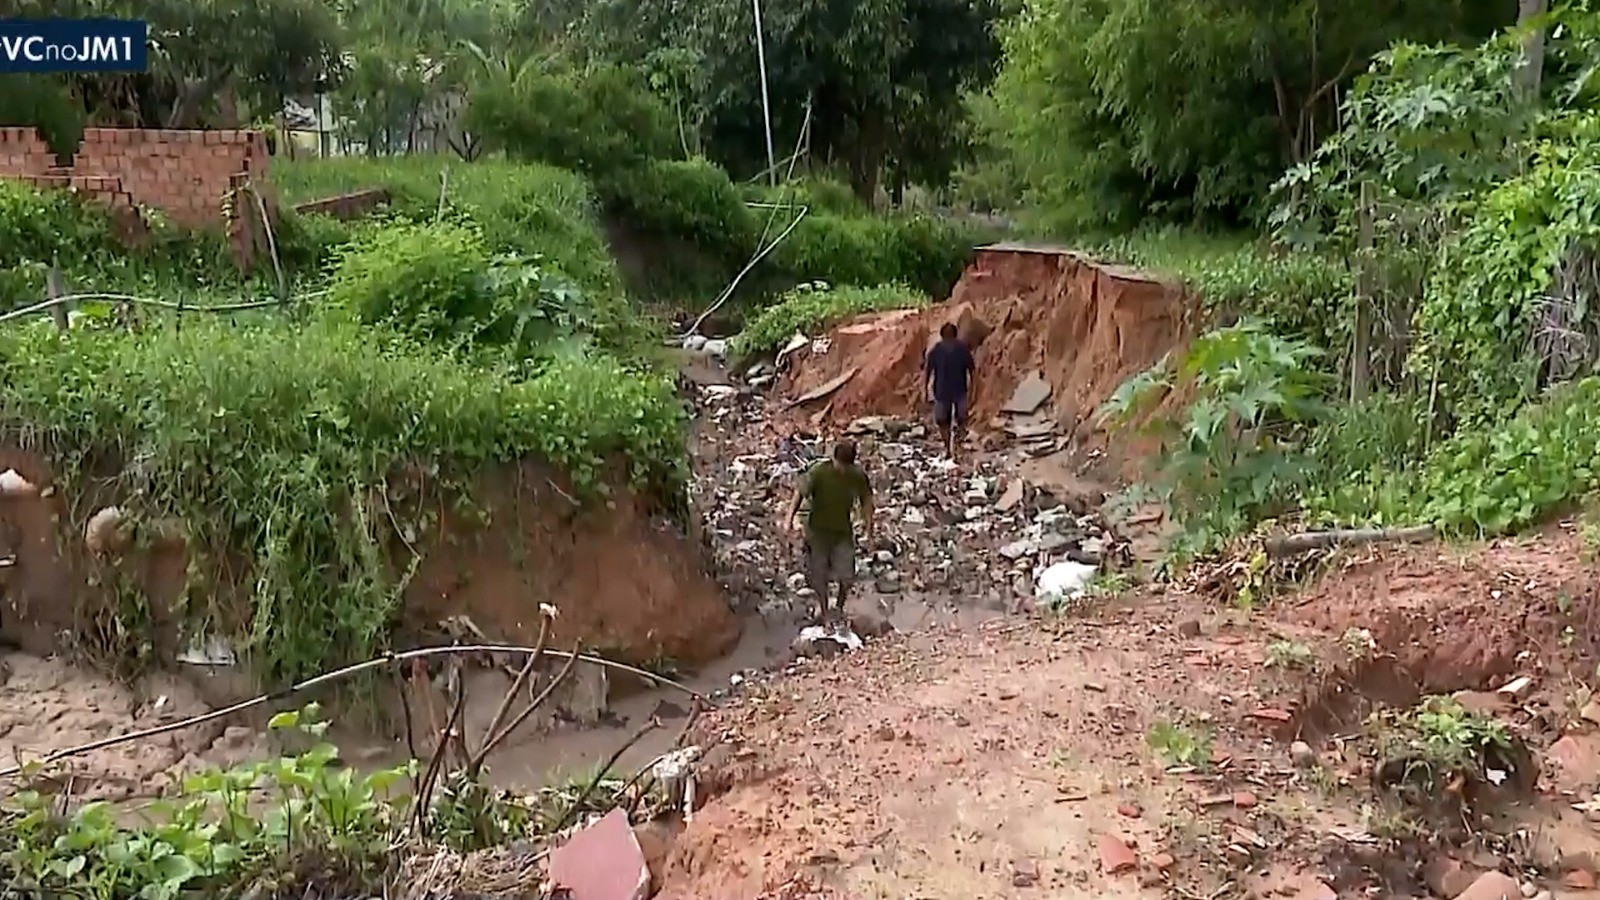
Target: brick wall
x=346, y=206
x=187, y=174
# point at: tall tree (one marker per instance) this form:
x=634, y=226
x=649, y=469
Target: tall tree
x=884, y=79
x=1190, y=107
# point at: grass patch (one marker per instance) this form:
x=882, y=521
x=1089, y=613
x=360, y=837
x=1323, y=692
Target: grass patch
x=812, y=307
x=41, y=228
x=530, y=209
x=269, y=441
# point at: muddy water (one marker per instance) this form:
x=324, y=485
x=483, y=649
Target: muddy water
x=532, y=759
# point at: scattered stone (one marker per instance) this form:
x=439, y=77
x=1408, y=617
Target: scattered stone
x=1024, y=873
x=1447, y=876
x=1189, y=628
x=1517, y=687
x=1318, y=891
x=602, y=862
x=1129, y=809
x=1272, y=715
x=1011, y=498
x=1163, y=861
x=1301, y=754
x=1579, y=880
x=1577, y=758
x=1116, y=856
x=1029, y=395
x=1492, y=886
x=1245, y=800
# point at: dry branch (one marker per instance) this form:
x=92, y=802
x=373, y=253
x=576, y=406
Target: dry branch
x=387, y=659
x=1290, y=545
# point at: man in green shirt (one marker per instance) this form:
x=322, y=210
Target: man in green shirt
x=835, y=488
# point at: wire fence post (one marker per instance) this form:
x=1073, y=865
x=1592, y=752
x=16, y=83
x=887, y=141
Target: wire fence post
x=53, y=293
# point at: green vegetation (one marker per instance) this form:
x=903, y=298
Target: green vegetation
x=273, y=440
x=527, y=209
x=1424, y=301
x=814, y=306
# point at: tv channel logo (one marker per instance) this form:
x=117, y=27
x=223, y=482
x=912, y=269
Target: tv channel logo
x=73, y=45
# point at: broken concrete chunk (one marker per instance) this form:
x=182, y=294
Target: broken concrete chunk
x=1012, y=496
x=602, y=862
x=1492, y=886
x=1029, y=395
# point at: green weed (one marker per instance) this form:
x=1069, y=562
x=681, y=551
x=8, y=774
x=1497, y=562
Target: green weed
x=1290, y=655
x=1179, y=745
x=811, y=307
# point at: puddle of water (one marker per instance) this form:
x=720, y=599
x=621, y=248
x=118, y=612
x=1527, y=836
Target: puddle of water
x=533, y=758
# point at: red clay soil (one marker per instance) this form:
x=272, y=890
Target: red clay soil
x=1085, y=326
x=1451, y=619
x=1005, y=761
x=624, y=580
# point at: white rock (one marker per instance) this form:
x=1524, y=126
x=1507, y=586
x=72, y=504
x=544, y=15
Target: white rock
x=1063, y=579
x=104, y=530
x=12, y=484
x=1018, y=549
x=694, y=342
x=717, y=347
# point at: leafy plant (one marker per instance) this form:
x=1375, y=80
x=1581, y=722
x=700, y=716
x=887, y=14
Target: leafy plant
x=440, y=284
x=221, y=833
x=1227, y=460
x=1290, y=655
x=1178, y=745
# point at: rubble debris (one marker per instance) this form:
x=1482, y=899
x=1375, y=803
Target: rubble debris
x=940, y=531
x=1029, y=395
x=1116, y=856
x=1063, y=580
x=796, y=342
x=826, y=388
x=815, y=640
x=1492, y=886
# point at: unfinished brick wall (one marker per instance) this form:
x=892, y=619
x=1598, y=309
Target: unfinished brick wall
x=186, y=174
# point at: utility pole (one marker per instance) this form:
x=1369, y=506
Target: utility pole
x=766, y=106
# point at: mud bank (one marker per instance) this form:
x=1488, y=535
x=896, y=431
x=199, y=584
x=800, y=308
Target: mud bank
x=626, y=579
x=1082, y=326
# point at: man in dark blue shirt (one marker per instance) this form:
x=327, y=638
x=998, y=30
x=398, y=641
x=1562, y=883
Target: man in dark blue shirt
x=949, y=380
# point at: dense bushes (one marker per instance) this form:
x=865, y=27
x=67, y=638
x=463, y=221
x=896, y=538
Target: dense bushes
x=38, y=228
x=267, y=440
x=440, y=283
x=523, y=208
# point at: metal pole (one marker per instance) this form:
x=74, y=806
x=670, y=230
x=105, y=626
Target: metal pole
x=766, y=107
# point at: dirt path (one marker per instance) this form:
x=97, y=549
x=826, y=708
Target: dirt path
x=1018, y=760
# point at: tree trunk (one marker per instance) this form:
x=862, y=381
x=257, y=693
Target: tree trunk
x=1531, y=70
x=866, y=163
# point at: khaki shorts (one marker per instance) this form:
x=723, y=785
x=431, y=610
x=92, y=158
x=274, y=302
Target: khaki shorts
x=829, y=561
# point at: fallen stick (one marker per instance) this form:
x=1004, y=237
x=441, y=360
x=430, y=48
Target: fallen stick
x=1316, y=540
x=328, y=677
